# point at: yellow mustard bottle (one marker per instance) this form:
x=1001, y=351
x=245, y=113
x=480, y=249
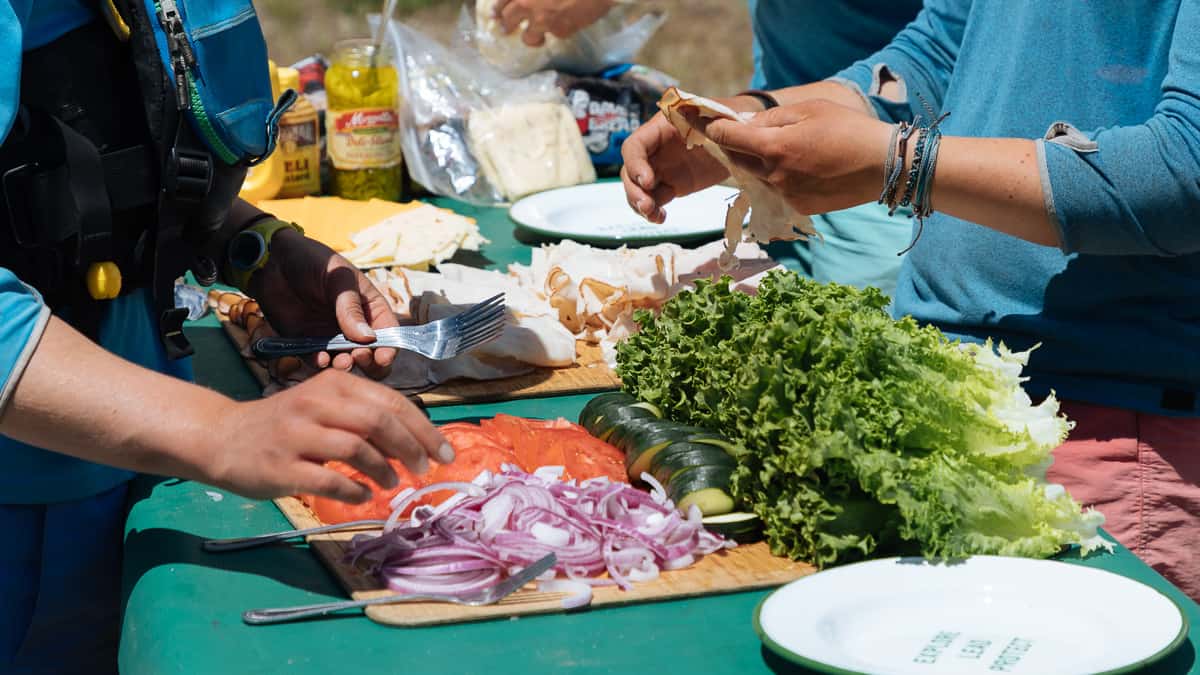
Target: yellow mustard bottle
x=299, y=146
x=264, y=180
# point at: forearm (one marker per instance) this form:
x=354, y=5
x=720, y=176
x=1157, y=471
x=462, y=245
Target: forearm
x=78, y=399
x=994, y=182
x=830, y=91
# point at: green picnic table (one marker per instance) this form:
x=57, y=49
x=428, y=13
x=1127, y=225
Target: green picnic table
x=182, y=606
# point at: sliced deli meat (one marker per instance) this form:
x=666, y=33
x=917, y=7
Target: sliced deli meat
x=772, y=218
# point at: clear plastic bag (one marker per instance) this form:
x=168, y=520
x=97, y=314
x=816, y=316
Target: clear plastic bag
x=472, y=133
x=612, y=40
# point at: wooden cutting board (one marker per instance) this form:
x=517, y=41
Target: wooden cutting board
x=589, y=374
x=747, y=567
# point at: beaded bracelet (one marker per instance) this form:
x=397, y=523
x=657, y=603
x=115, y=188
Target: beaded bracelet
x=888, y=196
x=914, y=171
x=924, y=167
x=890, y=161
x=921, y=200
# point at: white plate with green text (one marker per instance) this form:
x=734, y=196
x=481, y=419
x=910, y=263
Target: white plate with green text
x=984, y=614
x=597, y=213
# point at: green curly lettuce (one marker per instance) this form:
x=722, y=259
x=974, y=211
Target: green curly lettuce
x=859, y=434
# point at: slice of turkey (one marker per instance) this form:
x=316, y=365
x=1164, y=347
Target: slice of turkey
x=772, y=218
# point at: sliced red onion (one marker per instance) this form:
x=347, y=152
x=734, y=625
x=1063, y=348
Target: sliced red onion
x=579, y=593
x=603, y=533
x=399, y=504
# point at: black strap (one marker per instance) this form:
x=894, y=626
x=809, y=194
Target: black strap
x=128, y=178
x=85, y=199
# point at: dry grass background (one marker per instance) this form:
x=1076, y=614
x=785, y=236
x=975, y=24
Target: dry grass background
x=705, y=43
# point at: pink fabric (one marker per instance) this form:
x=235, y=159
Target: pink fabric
x=1142, y=472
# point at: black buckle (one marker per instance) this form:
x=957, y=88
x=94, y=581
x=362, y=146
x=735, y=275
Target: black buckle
x=189, y=175
x=205, y=270
x=170, y=327
x=20, y=218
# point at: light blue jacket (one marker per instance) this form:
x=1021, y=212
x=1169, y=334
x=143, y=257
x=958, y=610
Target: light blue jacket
x=1117, y=310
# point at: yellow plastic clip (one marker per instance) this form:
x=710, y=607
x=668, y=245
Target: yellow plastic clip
x=104, y=280
x=115, y=20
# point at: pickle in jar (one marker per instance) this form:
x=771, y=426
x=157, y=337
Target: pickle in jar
x=363, y=124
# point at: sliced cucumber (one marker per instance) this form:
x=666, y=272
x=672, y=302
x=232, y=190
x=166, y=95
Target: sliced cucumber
x=607, y=422
x=621, y=434
x=740, y=526
x=649, y=407
x=715, y=439
x=685, y=455
x=601, y=405
x=643, y=441
x=705, y=486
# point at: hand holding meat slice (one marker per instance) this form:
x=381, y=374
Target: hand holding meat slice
x=772, y=217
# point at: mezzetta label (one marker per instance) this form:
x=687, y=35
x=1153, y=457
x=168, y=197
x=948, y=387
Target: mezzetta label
x=367, y=138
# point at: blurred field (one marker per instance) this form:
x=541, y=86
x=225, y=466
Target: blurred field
x=705, y=43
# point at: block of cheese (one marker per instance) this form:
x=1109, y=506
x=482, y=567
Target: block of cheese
x=524, y=148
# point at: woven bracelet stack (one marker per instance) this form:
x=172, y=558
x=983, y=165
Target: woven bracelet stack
x=917, y=182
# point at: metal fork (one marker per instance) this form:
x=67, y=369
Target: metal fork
x=441, y=339
x=240, y=543
x=487, y=596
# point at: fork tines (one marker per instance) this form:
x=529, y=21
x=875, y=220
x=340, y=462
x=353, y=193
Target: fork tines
x=481, y=323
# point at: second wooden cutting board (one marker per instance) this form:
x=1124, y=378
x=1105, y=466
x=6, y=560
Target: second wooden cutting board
x=590, y=374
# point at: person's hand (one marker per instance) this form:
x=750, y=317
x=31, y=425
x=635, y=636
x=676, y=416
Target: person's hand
x=277, y=446
x=306, y=289
x=819, y=155
x=560, y=18
x=658, y=167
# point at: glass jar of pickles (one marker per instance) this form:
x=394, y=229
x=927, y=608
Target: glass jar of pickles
x=362, y=123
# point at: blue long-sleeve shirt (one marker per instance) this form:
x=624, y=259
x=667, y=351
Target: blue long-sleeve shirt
x=30, y=475
x=1117, y=310
x=802, y=41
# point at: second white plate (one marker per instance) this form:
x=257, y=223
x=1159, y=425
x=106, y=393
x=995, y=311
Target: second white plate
x=983, y=615
x=598, y=214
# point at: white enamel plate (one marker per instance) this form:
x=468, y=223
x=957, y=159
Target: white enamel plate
x=598, y=214
x=983, y=615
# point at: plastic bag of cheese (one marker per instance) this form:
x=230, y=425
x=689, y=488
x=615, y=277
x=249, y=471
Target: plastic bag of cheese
x=472, y=133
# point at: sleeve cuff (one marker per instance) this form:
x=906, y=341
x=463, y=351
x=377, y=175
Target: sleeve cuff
x=23, y=358
x=866, y=81
x=1048, y=195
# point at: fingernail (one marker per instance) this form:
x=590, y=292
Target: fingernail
x=641, y=180
x=392, y=480
x=644, y=207
x=366, y=329
x=422, y=465
x=445, y=453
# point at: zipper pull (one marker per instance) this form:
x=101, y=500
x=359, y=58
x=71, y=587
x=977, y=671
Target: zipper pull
x=183, y=94
x=180, y=51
